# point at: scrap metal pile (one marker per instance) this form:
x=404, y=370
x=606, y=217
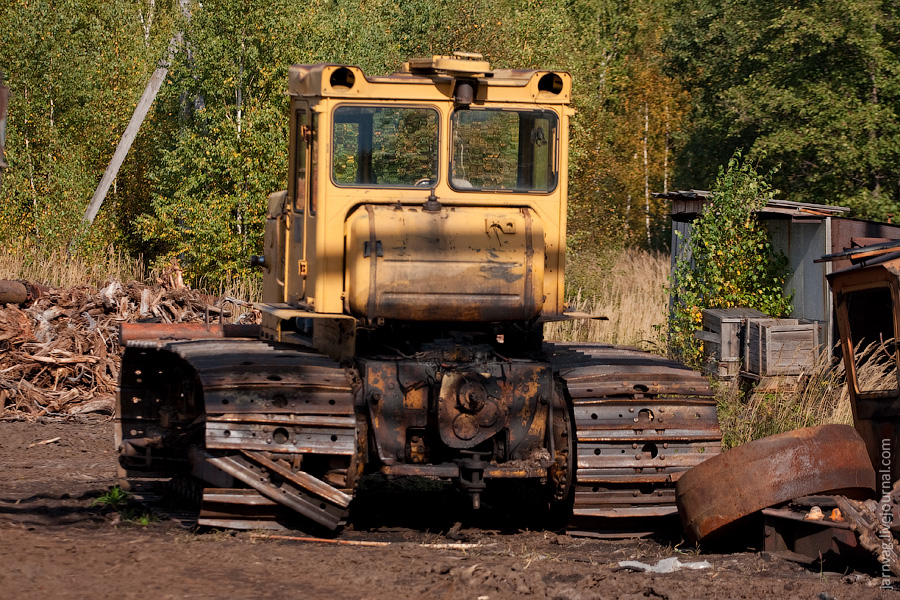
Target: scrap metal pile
x=59, y=348
x=810, y=492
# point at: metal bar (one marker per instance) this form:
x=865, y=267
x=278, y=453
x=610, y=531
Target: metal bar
x=304, y=480
x=273, y=438
x=294, y=498
x=293, y=420
x=243, y=524
x=626, y=512
x=282, y=399
x=643, y=436
x=129, y=332
x=236, y=496
x=629, y=461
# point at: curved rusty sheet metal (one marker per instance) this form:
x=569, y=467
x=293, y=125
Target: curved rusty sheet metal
x=769, y=471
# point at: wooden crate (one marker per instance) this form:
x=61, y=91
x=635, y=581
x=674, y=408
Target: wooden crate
x=780, y=346
x=723, y=339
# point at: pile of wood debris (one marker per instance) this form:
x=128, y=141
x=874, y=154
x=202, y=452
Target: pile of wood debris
x=59, y=352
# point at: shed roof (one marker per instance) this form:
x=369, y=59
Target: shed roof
x=687, y=204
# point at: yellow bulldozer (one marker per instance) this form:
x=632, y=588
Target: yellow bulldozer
x=409, y=268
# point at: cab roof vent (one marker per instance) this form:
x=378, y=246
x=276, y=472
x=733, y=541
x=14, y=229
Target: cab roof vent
x=465, y=64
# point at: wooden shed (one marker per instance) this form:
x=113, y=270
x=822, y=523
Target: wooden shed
x=803, y=232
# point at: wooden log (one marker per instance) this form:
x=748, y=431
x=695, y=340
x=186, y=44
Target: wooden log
x=12, y=292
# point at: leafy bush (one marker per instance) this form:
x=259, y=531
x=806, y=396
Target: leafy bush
x=729, y=260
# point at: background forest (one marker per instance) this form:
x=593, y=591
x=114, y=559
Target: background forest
x=666, y=91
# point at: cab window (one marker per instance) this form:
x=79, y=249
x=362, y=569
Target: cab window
x=301, y=139
x=511, y=150
x=385, y=146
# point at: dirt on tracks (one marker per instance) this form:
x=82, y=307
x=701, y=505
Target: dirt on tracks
x=55, y=542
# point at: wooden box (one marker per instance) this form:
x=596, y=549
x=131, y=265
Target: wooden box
x=780, y=346
x=723, y=339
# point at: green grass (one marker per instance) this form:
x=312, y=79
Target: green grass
x=122, y=502
x=116, y=498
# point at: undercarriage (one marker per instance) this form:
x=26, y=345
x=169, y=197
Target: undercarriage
x=257, y=435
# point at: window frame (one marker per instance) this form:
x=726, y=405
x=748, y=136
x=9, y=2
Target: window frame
x=852, y=341
x=437, y=143
x=554, y=142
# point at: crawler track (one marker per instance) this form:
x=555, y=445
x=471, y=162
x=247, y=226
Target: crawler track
x=262, y=435
x=270, y=431
x=640, y=420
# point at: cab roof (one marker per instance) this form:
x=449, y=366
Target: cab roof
x=434, y=79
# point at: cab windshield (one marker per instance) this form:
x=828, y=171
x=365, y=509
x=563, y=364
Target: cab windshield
x=385, y=146
x=510, y=150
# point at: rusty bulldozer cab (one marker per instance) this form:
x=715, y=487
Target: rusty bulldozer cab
x=867, y=302
x=432, y=196
x=408, y=268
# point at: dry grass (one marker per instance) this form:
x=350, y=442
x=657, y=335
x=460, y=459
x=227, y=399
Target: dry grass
x=817, y=398
x=61, y=270
x=247, y=289
x=628, y=289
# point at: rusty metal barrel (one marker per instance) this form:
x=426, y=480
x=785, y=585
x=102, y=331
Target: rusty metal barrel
x=766, y=472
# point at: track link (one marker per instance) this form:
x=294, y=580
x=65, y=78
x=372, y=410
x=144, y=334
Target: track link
x=270, y=430
x=640, y=421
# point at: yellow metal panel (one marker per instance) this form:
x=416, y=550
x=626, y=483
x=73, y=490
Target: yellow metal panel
x=502, y=86
x=457, y=264
x=327, y=288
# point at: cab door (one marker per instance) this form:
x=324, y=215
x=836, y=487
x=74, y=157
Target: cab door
x=298, y=203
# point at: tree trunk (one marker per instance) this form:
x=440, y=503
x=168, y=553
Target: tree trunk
x=666, y=150
x=646, y=171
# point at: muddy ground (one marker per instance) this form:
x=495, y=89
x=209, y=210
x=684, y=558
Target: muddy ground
x=55, y=542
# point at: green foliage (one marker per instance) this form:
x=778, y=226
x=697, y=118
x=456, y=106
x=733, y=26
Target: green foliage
x=138, y=517
x=733, y=263
x=814, y=86
x=221, y=115
x=116, y=498
x=819, y=397
x=75, y=69
x=195, y=183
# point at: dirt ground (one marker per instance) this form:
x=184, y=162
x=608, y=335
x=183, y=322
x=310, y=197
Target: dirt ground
x=55, y=543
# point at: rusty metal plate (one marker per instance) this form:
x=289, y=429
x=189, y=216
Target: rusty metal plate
x=672, y=419
x=767, y=472
x=641, y=455
x=268, y=437
x=285, y=399
x=641, y=421
x=789, y=530
x=129, y=332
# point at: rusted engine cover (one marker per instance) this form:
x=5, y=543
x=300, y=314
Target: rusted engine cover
x=769, y=471
x=476, y=264
x=428, y=412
